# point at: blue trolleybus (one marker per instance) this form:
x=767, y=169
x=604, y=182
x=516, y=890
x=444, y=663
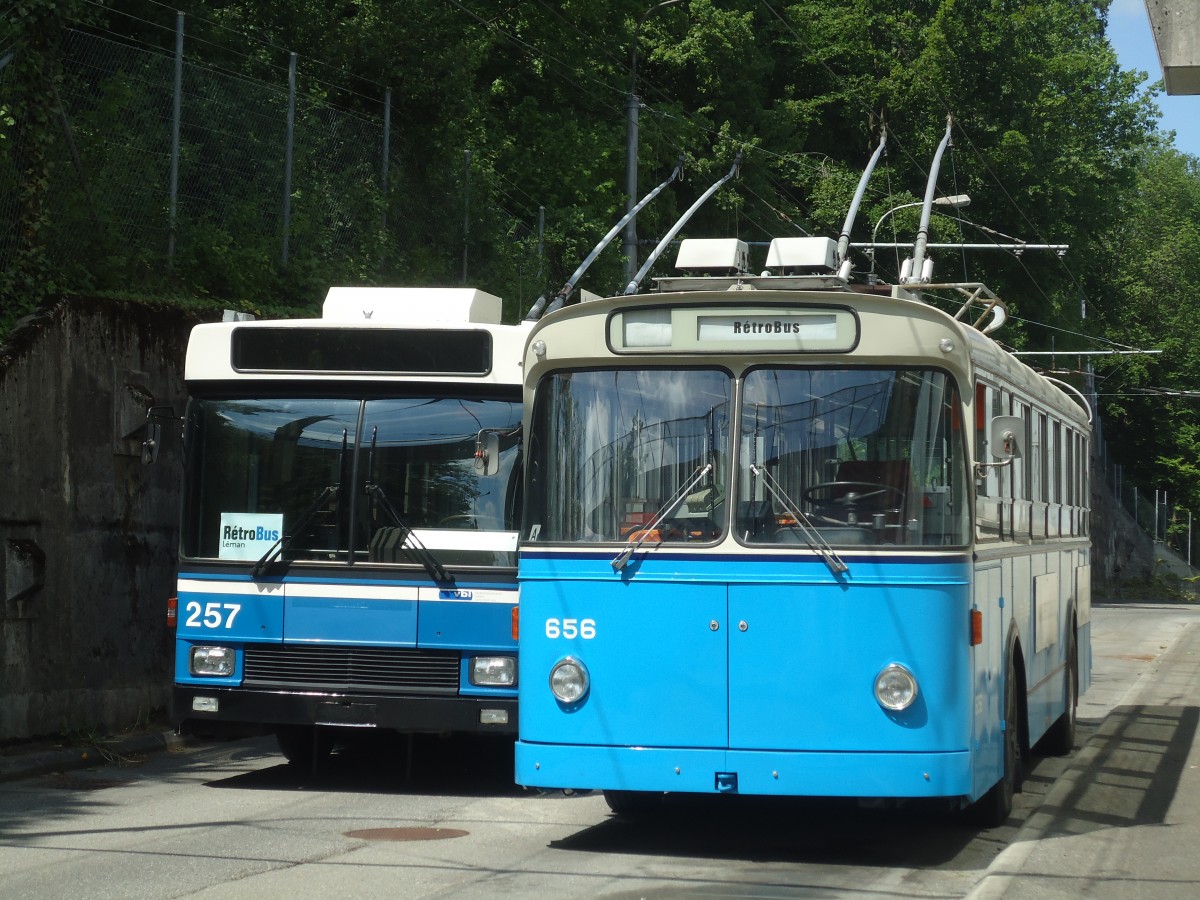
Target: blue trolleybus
x=784, y=535
x=349, y=535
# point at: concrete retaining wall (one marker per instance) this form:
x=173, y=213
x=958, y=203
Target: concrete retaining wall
x=88, y=534
x=1122, y=553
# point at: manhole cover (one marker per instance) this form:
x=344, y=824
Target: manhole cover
x=407, y=834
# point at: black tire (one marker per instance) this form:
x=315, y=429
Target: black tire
x=304, y=746
x=1059, y=740
x=634, y=804
x=993, y=808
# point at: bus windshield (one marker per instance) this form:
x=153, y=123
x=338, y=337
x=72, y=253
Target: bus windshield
x=867, y=456
x=619, y=445
x=345, y=479
x=843, y=457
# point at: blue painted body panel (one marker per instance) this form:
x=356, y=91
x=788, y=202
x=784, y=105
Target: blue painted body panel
x=457, y=624
x=355, y=621
x=259, y=616
x=801, y=676
x=658, y=668
x=343, y=611
x=761, y=667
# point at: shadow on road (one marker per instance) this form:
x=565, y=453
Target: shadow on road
x=829, y=832
x=455, y=765
x=1131, y=770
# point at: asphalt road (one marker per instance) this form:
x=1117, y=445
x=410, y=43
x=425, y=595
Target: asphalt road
x=443, y=818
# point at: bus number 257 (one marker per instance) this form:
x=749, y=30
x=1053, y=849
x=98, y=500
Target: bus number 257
x=571, y=628
x=211, y=614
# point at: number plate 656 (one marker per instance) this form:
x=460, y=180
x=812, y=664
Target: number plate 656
x=571, y=628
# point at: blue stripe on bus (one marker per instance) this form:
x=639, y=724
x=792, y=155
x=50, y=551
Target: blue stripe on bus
x=890, y=554
x=736, y=569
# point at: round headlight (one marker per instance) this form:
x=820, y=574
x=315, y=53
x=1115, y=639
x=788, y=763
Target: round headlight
x=895, y=687
x=569, y=680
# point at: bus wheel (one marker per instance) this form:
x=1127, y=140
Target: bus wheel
x=634, y=803
x=304, y=746
x=993, y=808
x=1060, y=738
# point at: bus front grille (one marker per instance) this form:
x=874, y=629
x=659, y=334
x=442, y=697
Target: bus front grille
x=351, y=669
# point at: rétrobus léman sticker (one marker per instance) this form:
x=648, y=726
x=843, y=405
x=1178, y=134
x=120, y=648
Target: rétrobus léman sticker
x=248, y=535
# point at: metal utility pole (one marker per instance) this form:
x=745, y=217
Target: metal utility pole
x=287, y=156
x=632, y=105
x=466, y=209
x=176, y=120
x=385, y=155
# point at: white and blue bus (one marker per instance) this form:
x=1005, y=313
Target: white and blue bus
x=349, y=527
x=785, y=535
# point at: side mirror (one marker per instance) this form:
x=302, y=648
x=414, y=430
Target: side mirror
x=487, y=452
x=1006, y=437
x=154, y=432
x=151, y=444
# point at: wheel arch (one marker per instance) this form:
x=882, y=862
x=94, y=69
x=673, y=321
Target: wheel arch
x=1014, y=667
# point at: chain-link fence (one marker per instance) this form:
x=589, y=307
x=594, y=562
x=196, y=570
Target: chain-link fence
x=1164, y=521
x=166, y=170
x=1154, y=511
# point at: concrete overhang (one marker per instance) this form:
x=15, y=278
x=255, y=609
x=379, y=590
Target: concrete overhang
x=1175, y=25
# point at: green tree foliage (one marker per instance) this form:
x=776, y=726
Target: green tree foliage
x=35, y=26
x=1150, y=402
x=505, y=112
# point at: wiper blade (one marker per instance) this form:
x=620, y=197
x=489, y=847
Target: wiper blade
x=409, y=541
x=277, y=549
x=818, y=543
x=622, y=558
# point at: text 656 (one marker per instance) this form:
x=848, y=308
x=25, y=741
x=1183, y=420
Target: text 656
x=571, y=628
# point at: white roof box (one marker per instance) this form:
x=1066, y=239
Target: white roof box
x=802, y=256
x=726, y=255
x=411, y=306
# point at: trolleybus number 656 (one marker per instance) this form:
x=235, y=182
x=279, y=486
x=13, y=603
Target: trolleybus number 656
x=571, y=628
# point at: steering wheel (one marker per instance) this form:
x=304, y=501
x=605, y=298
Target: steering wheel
x=850, y=495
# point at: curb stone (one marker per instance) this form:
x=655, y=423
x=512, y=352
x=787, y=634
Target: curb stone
x=47, y=761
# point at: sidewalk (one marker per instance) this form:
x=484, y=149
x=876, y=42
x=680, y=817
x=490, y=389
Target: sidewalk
x=31, y=761
x=1124, y=821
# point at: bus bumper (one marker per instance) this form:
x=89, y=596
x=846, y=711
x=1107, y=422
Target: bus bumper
x=232, y=709
x=751, y=772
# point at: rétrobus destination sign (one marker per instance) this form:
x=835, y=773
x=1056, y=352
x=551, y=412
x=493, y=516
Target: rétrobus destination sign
x=683, y=329
x=729, y=328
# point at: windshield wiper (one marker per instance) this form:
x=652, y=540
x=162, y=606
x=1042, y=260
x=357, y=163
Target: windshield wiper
x=409, y=541
x=818, y=543
x=277, y=549
x=329, y=493
x=622, y=558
